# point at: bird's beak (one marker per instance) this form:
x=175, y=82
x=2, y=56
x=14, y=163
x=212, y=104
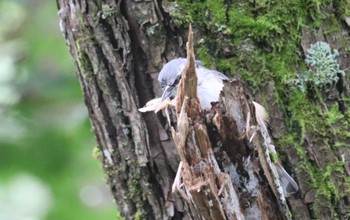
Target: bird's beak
x=168, y=92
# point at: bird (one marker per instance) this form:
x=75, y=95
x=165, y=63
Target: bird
x=210, y=84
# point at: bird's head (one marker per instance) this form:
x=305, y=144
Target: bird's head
x=170, y=75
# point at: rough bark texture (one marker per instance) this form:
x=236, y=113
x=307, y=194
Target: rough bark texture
x=119, y=47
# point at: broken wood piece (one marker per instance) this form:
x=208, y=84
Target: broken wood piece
x=199, y=179
x=157, y=105
x=188, y=82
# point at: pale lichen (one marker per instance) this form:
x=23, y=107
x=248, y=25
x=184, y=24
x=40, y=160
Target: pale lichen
x=323, y=69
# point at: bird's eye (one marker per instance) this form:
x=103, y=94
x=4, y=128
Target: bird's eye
x=162, y=85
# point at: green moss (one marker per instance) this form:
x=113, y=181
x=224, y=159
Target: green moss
x=96, y=153
x=327, y=191
x=273, y=156
x=290, y=140
x=134, y=181
x=332, y=116
x=257, y=61
x=347, y=182
x=344, y=7
x=204, y=55
x=323, y=183
x=138, y=216
x=83, y=61
x=135, y=189
x=260, y=42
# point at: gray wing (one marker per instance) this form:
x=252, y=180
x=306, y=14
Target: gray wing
x=209, y=71
x=210, y=84
x=220, y=75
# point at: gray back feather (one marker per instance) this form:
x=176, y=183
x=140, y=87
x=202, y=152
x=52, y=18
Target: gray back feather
x=210, y=82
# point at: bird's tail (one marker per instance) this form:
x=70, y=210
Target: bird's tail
x=288, y=183
x=260, y=114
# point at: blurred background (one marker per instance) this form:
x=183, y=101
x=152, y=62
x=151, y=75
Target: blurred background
x=47, y=170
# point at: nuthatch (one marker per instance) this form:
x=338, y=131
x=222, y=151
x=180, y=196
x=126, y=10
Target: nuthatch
x=210, y=84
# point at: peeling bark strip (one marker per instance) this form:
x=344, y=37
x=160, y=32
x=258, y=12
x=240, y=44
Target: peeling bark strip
x=188, y=83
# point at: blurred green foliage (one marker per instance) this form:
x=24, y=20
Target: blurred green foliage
x=45, y=136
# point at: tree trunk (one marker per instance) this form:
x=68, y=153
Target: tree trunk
x=119, y=48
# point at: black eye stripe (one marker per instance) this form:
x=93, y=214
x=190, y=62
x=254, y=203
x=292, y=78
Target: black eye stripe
x=177, y=80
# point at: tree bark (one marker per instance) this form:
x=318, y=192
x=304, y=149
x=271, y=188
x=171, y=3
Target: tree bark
x=119, y=48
